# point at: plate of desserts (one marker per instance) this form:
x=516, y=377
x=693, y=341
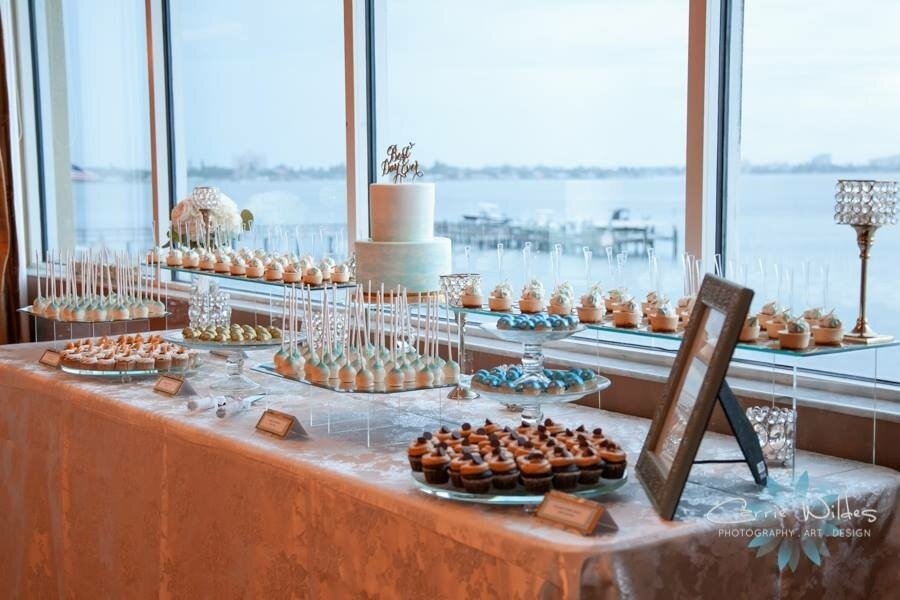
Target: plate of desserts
x=506, y=382
x=235, y=336
x=490, y=464
x=131, y=355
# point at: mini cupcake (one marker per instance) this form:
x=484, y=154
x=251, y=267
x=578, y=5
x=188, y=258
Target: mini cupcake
x=664, y=318
x=812, y=316
x=766, y=313
x=614, y=460
x=436, y=465
x=471, y=295
x=255, y=268
x=796, y=336
x=522, y=447
x=565, y=473
x=292, y=273
x=627, y=314
x=648, y=306
x=611, y=302
x=174, y=258
x=537, y=474
x=532, y=300
x=561, y=299
x=313, y=276
x=490, y=427
x=207, y=261
x=829, y=331
x=326, y=266
x=592, y=307
x=553, y=428
x=191, y=260
x=418, y=448
x=238, y=266
x=777, y=324
x=340, y=273
x=456, y=465
x=750, y=330
x=525, y=429
x=444, y=434
x=501, y=297
x=223, y=263
x=478, y=436
x=476, y=475
x=503, y=466
x=274, y=271
x=465, y=430
x=589, y=464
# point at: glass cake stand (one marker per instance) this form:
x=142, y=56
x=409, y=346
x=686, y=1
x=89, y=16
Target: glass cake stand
x=126, y=376
x=515, y=497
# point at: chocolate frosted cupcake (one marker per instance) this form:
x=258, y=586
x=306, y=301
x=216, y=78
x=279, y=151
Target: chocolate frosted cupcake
x=522, y=447
x=465, y=430
x=503, y=466
x=537, y=474
x=597, y=436
x=553, y=428
x=444, y=435
x=565, y=473
x=568, y=438
x=490, y=427
x=525, y=429
x=614, y=460
x=476, y=475
x=478, y=436
x=436, y=465
x=589, y=463
x=456, y=465
x=418, y=448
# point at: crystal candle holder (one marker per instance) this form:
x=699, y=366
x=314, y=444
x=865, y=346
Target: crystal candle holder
x=775, y=428
x=205, y=197
x=453, y=286
x=865, y=205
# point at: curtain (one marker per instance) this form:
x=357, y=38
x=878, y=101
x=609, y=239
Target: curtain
x=9, y=260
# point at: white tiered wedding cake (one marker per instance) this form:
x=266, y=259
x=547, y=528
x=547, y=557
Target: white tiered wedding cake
x=403, y=250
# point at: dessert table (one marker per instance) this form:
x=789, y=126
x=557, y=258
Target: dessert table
x=108, y=489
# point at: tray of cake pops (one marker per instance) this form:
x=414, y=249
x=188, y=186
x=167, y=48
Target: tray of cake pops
x=126, y=355
x=504, y=465
x=351, y=345
x=96, y=288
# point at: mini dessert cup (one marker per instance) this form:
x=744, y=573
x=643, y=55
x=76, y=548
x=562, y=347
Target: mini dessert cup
x=611, y=305
x=749, y=334
x=623, y=318
x=531, y=305
x=499, y=304
x=560, y=309
x=292, y=276
x=793, y=341
x=764, y=319
x=590, y=314
x=827, y=336
x=340, y=276
x=775, y=327
x=613, y=470
x=664, y=323
x=471, y=301
x=647, y=308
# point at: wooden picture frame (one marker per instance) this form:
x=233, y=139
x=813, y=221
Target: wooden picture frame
x=691, y=393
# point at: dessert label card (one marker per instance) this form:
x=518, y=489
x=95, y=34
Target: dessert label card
x=50, y=358
x=280, y=424
x=169, y=385
x=584, y=516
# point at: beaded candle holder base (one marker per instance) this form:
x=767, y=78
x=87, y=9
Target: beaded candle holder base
x=775, y=428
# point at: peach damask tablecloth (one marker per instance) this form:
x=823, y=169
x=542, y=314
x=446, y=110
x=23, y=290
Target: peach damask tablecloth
x=109, y=490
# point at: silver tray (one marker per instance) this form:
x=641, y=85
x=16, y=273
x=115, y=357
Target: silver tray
x=530, y=336
x=516, y=497
x=178, y=338
x=519, y=399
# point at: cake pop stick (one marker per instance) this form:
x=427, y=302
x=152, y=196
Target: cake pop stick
x=280, y=357
x=500, y=261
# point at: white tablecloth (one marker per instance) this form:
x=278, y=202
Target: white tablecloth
x=109, y=490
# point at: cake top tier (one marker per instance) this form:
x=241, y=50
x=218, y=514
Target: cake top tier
x=401, y=212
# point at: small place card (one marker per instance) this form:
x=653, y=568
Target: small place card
x=50, y=358
x=280, y=424
x=169, y=385
x=572, y=512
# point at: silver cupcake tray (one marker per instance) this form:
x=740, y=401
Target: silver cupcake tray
x=515, y=497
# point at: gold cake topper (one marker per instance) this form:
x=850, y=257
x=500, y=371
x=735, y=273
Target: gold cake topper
x=398, y=165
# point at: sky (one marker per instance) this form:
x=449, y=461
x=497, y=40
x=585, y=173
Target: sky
x=562, y=83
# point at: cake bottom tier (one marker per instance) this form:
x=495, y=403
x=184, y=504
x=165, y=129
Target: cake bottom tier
x=416, y=266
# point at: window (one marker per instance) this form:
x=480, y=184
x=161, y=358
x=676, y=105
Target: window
x=543, y=122
x=91, y=79
x=258, y=90
x=817, y=102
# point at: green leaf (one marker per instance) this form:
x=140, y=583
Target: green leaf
x=784, y=553
x=246, y=218
x=795, y=557
x=808, y=544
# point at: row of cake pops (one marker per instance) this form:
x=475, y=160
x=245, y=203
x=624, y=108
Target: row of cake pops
x=95, y=286
x=365, y=344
